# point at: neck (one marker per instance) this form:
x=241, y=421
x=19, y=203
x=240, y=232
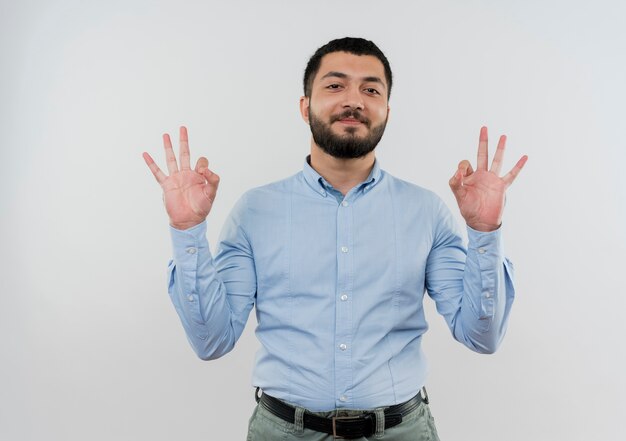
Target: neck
x=342, y=174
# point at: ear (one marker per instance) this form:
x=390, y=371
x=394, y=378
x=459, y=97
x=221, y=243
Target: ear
x=388, y=110
x=304, y=108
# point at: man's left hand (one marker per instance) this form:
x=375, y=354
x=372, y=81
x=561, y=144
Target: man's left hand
x=481, y=193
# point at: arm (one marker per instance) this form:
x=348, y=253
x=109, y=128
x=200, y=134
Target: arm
x=473, y=289
x=213, y=296
x=474, y=292
x=212, y=310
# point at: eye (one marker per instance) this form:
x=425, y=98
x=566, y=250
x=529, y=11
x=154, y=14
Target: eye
x=333, y=86
x=372, y=91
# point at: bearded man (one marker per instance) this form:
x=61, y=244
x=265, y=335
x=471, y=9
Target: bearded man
x=336, y=260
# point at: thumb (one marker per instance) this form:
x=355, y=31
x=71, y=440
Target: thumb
x=202, y=163
x=210, y=187
x=456, y=184
x=212, y=178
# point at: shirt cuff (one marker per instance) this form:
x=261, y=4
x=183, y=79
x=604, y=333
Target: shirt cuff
x=186, y=245
x=487, y=244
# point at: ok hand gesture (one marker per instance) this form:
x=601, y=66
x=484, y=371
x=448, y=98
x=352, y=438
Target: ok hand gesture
x=188, y=194
x=480, y=194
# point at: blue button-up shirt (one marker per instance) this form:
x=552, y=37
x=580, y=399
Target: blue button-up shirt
x=338, y=284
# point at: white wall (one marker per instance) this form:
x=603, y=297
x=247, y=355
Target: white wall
x=91, y=347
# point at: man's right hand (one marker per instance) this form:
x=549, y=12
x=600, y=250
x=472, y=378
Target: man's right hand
x=188, y=194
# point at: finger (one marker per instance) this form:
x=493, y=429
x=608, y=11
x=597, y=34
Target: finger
x=496, y=164
x=510, y=176
x=201, y=164
x=156, y=171
x=483, y=154
x=184, y=149
x=170, y=158
x=456, y=179
x=211, y=177
x=464, y=170
x=210, y=188
x=466, y=167
x=456, y=185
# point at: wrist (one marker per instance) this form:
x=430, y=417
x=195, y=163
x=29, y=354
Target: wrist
x=184, y=225
x=484, y=228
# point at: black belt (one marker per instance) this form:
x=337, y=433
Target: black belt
x=363, y=425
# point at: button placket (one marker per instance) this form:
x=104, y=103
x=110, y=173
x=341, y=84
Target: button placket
x=343, y=305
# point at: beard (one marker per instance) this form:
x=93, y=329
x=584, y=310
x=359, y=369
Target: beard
x=347, y=145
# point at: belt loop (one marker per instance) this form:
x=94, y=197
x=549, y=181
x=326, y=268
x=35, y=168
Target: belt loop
x=380, y=422
x=299, y=420
x=257, y=397
x=425, y=395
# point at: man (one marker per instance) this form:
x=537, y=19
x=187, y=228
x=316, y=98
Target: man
x=336, y=260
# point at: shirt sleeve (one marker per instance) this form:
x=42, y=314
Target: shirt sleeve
x=213, y=296
x=473, y=287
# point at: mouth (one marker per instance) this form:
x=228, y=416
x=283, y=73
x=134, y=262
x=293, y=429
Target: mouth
x=350, y=121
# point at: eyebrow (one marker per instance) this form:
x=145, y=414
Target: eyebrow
x=336, y=74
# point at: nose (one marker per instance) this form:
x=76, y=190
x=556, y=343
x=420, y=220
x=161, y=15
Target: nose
x=353, y=98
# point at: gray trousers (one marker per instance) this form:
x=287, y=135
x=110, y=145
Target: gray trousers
x=416, y=426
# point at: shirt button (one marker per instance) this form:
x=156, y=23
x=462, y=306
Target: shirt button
x=344, y=297
x=345, y=203
x=343, y=346
x=343, y=398
x=190, y=298
x=488, y=294
x=191, y=250
x=481, y=250
x=344, y=249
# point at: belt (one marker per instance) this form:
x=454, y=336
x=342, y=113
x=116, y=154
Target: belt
x=351, y=427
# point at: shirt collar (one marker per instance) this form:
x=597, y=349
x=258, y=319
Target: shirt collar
x=321, y=186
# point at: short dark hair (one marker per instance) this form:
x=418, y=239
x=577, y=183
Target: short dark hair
x=356, y=46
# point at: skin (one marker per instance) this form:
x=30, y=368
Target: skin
x=480, y=194
x=188, y=194
x=343, y=81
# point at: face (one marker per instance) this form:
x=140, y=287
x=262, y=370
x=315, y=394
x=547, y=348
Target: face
x=348, y=107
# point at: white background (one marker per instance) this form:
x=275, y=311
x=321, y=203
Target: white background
x=90, y=346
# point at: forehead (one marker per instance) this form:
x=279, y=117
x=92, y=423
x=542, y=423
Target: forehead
x=357, y=66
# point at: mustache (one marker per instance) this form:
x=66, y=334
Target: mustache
x=351, y=113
